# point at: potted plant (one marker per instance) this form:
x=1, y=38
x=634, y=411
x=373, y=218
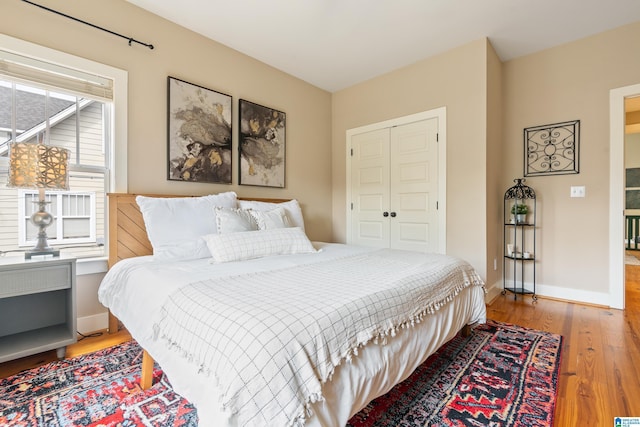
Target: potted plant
x=519, y=212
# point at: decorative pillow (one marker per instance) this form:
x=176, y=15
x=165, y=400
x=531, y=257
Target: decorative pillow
x=267, y=220
x=175, y=225
x=232, y=220
x=257, y=244
x=292, y=208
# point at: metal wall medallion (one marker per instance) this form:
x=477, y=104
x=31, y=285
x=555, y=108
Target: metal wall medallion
x=552, y=149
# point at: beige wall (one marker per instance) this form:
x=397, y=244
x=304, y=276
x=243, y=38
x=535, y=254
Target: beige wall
x=455, y=80
x=183, y=54
x=495, y=193
x=632, y=150
x=566, y=83
x=632, y=159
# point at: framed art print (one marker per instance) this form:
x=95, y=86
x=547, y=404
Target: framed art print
x=198, y=134
x=632, y=177
x=632, y=199
x=552, y=149
x=632, y=184
x=262, y=145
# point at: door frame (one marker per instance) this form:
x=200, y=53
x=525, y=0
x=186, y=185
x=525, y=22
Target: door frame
x=616, y=193
x=438, y=113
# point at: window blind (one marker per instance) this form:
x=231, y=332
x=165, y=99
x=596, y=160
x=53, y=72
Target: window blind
x=53, y=76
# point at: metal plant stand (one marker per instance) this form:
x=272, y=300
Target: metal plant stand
x=519, y=246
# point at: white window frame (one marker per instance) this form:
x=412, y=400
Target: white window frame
x=117, y=157
x=23, y=214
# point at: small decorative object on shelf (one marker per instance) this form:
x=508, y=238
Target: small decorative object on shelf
x=519, y=212
x=519, y=247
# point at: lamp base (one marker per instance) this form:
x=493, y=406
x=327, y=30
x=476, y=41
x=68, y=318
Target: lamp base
x=41, y=219
x=34, y=252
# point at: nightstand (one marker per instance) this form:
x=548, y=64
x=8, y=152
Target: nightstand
x=37, y=306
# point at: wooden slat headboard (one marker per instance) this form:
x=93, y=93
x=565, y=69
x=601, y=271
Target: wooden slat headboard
x=127, y=233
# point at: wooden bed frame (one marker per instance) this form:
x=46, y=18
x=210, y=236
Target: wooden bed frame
x=127, y=239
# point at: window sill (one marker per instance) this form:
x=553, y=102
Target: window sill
x=91, y=266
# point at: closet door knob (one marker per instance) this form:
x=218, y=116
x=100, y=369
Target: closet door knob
x=385, y=214
x=393, y=214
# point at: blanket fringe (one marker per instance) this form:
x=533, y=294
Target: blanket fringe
x=382, y=336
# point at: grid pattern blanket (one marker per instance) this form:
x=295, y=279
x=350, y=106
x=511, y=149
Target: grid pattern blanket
x=270, y=340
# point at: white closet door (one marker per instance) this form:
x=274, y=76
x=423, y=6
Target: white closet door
x=394, y=187
x=414, y=186
x=370, y=182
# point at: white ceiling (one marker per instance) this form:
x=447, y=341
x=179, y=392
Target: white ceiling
x=334, y=44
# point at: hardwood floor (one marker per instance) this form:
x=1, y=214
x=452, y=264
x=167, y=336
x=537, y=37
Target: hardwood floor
x=83, y=346
x=600, y=369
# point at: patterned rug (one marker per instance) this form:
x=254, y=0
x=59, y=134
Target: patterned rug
x=501, y=375
x=101, y=389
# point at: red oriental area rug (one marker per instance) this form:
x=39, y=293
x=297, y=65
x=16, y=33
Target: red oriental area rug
x=501, y=375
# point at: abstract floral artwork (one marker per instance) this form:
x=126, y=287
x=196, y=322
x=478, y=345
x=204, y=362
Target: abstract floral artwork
x=199, y=133
x=552, y=149
x=262, y=145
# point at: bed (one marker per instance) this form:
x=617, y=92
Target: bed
x=260, y=326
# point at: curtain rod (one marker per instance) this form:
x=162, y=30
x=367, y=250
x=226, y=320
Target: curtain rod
x=130, y=39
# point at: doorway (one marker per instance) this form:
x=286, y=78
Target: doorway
x=617, y=124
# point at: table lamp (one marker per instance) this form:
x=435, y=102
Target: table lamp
x=41, y=166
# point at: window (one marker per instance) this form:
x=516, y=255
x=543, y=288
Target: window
x=60, y=118
x=66, y=101
x=74, y=217
x=30, y=114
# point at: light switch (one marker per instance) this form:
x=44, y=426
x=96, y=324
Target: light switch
x=578, y=191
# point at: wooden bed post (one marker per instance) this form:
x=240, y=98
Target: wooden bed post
x=466, y=330
x=113, y=323
x=146, y=379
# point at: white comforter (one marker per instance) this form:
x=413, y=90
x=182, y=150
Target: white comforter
x=315, y=285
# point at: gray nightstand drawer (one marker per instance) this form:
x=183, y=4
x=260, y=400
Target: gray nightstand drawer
x=33, y=280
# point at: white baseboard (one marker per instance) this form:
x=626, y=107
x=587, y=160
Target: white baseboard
x=93, y=323
x=566, y=294
x=576, y=295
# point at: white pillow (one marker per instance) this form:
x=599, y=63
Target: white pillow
x=257, y=244
x=232, y=220
x=292, y=208
x=266, y=220
x=175, y=225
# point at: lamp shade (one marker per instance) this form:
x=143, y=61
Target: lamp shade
x=35, y=165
